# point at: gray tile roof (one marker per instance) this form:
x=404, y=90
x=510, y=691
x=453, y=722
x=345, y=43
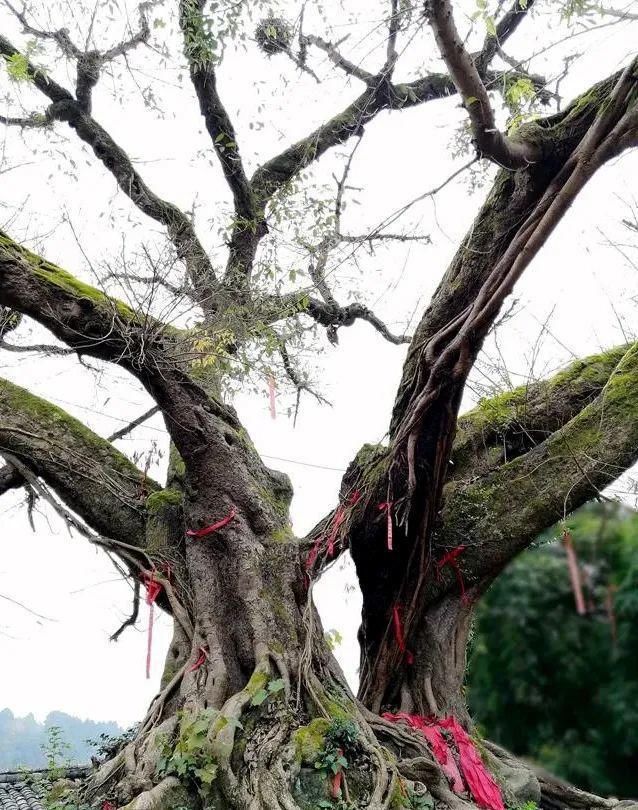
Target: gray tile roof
x=19, y=789
x=18, y=794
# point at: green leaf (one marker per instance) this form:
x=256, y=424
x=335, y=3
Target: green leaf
x=207, y=774
x=259, y=697
x=276, y=686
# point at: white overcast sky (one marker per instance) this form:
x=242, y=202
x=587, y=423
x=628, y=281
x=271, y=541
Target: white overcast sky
x=66, y=662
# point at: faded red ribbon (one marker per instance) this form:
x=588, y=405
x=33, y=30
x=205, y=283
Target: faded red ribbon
x=214, y=526
x=574, y=573
x=386, y=507
x=337, y=521
x=451, y=559
x=107, y=805
x=271, y=396
x=202, y=657
x=340, y=516
x=336, y=780
x=153, y=590
x=399, y=637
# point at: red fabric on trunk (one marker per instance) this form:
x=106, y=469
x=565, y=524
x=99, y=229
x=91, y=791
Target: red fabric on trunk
x=153, y=590
x=451, y=558
x=200, y=660
x=340, y=516
x=213, y=527
x=398, y=635
x=437, y=743
x=482, y=786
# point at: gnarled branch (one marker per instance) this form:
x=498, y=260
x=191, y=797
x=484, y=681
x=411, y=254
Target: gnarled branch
x=94, y=479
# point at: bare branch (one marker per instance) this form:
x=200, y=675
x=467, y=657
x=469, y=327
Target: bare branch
x=296, y=380
x=391, y=48
x=180, y=229
x=340, y=61
x=505, y=27
x=44, y=348
x=490, y=142
x=32, y=121
x=139, y=38
x=333, y=318
x=60, y=37
x=135, y=423
x=218, y=123
x=620, y=15
x=130, y=621
x=28, y=609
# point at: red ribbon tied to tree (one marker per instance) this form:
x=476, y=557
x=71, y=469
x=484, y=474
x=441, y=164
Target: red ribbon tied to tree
x=386, y=507
x=203, y=655
x=437, y=742
x=214, y=527
x=399, y=636
x=271, y=396
x=337, y=521
x=481, y=785
x=451, y=559
x=574, y=573
x=336, y=779
x=153, y=590
x=480, y=782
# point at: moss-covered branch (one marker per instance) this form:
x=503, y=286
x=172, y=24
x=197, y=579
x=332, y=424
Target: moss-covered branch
x=94, y=479
x=510, y=424
x=498, y=514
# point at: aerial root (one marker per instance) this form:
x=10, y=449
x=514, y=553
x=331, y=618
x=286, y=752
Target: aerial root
x=154, y=714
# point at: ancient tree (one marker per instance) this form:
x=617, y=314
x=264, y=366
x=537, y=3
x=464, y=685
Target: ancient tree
x=253, y=710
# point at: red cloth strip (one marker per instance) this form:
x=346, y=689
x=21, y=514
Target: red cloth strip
x=149, y=643
x=399, y=636
x=574, y=573
x=214, y=526
x=386, y=507
x=202, y=657
x=438, y=745
x=336, y=780
x=271, y=396
x=480, y=782
x=153, y=590
x=451, y=559
x=313, y=554
x=340, y=516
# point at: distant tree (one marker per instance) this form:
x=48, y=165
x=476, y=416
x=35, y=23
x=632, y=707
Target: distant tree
x=23, y=740
x=559, y=687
